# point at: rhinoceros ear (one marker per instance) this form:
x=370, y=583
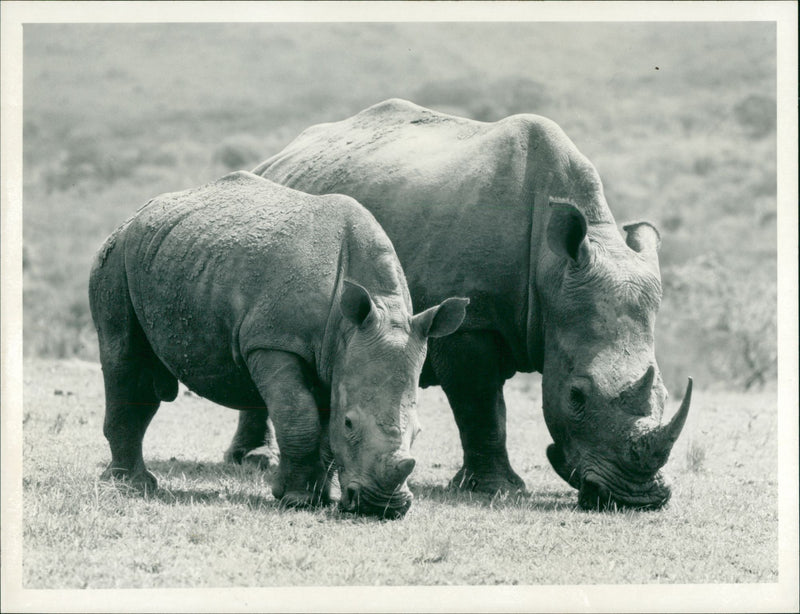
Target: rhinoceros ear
x=443, y=319
x=566, y=230
x=356, y=303
x=642, y=236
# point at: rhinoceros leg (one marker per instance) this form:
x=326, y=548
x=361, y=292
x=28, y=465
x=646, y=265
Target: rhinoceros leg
x=283, y=380
x=469, y=367
x=129, y=409
x=252, y=432
x=136, y=382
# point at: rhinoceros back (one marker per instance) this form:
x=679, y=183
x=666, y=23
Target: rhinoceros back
x=455, y=196
x=238, y=265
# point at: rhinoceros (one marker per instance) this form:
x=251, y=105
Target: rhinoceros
x=513, y=216
x=257, y=296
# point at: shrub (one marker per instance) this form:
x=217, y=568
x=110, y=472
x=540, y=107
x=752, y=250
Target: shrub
x=695, y=456
x=485, y=100
x=729, y=315
x=87, y=159
x=757, y=115
x=238, y=152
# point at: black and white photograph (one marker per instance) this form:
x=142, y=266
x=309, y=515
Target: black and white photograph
x=399, y=307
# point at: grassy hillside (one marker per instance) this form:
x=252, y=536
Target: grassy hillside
x=678, y=118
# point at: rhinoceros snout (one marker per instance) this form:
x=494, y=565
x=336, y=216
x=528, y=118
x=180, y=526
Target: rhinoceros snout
x=357, y=500
x=350, y=497
x=595, y=496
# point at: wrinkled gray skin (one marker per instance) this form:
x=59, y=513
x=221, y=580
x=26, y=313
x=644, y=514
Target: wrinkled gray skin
x=258, y=296
x=513, y=216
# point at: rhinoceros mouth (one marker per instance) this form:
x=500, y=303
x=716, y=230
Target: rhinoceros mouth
x=602, y=489
x=381, y=511
x=596, y=494
x=362, y=500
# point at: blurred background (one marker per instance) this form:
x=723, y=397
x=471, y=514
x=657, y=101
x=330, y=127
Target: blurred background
x=678, y=118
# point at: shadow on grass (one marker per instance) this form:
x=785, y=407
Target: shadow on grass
x=207, y=470
x=223, y=473
x=192, y=496
x=220, y=494
x=541, y=500
x=256, y=469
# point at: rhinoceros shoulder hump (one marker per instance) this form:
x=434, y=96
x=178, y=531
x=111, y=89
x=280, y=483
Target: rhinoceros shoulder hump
x=392, y=106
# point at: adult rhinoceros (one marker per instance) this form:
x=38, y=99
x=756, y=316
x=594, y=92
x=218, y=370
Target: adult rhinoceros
x=258, y=296
x=513, y=216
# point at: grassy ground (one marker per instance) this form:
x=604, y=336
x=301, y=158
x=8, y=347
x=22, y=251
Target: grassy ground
x=217, y=525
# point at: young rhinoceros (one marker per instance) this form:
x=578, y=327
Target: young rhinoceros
x=258, y=296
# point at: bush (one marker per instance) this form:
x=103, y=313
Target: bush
x=757, y=115
x=485, y=100
x=238, y=152
x=88, y=159
x=728, y=316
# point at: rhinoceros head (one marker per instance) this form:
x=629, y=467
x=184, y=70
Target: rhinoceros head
x=603, y=395
x=374, y=393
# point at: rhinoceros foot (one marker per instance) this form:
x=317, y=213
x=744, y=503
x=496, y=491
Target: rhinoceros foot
x=310, y=492
x=265, y=461
x=142, y=481
x=234, y=455
x=264, y=458
x=297, y=499
x=487, y=481
x=304, y=499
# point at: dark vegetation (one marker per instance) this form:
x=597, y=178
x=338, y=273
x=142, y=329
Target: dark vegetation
x=678, y=118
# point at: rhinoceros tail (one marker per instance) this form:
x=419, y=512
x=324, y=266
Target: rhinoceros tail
x=165, y=384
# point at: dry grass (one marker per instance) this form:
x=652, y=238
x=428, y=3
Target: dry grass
x=212, y=524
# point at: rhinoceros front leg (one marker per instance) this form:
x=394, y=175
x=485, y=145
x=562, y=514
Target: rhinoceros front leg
x=283, y=381
x=468, y=367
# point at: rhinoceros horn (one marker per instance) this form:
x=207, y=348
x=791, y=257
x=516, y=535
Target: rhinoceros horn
x=669, y=434
x=634, y=400
x=661, y=439
x=397, y=470
x=403, y=469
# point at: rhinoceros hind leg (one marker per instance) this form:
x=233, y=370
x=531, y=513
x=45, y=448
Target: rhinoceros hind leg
x=131, y=402
x=136, y=381
x=284, y=383
x=470, y=368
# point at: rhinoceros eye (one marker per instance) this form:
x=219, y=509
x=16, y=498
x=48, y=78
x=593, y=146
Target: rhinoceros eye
x=348, y=423
x=577, y=400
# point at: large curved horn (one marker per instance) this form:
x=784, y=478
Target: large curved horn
x=673, y=430
x=665, y=436
x=651, y=450
x=634, y=400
